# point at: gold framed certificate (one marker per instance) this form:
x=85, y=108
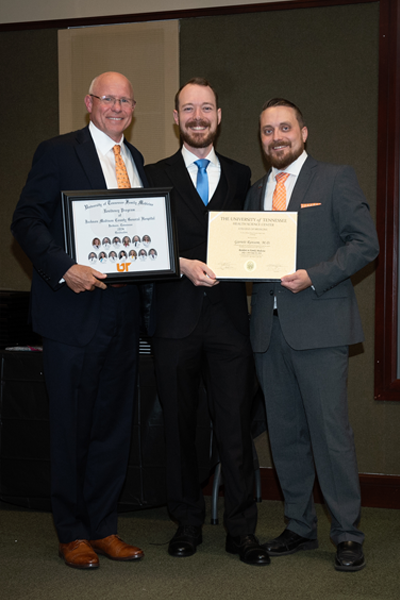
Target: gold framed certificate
x=252, y=246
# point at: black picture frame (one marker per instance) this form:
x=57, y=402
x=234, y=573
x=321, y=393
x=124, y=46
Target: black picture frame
x=101, y=228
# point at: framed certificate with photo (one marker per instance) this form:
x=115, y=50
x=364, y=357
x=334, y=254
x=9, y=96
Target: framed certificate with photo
x=128, y=234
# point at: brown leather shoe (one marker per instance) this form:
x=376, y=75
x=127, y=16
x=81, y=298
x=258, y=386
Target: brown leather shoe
x=79, y=554
x=113, y=547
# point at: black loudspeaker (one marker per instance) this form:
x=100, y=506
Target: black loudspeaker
x=24, y=431
x=15, y=330
x=25, y=436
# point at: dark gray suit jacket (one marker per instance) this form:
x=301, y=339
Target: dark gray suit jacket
x=336, y=239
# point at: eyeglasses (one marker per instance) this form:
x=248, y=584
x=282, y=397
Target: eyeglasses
x=110, y=101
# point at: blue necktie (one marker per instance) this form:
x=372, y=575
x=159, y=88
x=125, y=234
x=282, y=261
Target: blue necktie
x=202, y=179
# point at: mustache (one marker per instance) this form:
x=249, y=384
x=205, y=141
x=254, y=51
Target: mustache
x=197, y=123
x=281, y=143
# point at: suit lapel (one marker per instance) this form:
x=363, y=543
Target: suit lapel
x=261, y=191
x=89, y=159
x=257, y=194
x=138, y=160
x=180, y=179
x=303, y=182
x=230, y=177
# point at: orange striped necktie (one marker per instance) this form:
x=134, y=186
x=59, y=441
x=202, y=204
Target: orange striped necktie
x=279, y=197
x=120, y=169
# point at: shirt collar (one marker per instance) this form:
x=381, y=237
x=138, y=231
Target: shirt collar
x=294, y=168
x=190, y=158
x=101, y=140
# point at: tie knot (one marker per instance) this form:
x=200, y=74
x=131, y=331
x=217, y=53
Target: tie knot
x=202, y=163
x=281, y=177
x=117, y=149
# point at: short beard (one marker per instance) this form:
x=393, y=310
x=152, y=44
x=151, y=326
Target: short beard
x=196, y=140
x=281, y=162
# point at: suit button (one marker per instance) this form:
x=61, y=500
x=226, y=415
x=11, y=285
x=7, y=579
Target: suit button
x=271, y=292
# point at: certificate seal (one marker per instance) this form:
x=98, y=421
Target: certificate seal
x=250, y=266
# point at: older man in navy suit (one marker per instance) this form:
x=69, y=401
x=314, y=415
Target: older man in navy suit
x=301, y=328
x=90, y=329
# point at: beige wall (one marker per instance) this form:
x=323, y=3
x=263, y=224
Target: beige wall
x=85, y=51
x=42, y=10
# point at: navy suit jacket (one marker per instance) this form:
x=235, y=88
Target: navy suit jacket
x=336, y=238
x=177, y=304
x=67, y=162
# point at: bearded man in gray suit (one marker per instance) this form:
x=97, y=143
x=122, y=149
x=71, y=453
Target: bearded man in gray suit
x=301, y=328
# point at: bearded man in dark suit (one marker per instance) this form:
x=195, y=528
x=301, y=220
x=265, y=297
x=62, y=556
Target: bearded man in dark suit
x=301, y=328
x=90, y=329
x=202, y=332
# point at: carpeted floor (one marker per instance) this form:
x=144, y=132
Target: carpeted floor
x=30, y=568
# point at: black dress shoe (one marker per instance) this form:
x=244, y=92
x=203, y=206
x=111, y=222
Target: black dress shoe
x=248, y=548
x=349, y=557
x=288, y=543
x=185, y=541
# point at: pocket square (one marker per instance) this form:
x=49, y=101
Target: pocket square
x=311, y=204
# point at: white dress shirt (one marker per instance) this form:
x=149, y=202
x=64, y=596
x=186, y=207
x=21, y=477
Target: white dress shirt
x=293, y=170
x=213, y=169
x=104, y=146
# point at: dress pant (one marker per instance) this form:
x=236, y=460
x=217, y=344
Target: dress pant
x=218, y=354
x=92, y=392
x=306, y=402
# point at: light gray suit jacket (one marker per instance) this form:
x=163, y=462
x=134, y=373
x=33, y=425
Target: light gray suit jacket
x=336, y=239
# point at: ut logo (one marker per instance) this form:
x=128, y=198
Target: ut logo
x=123, y=267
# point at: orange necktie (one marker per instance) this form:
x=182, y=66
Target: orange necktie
x=120, y=169
x=279, y=197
